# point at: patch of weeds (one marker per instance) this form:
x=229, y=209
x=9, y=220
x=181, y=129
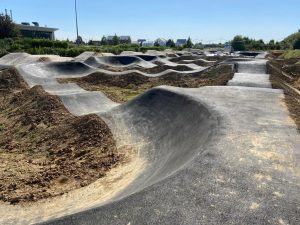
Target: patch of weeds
x=19, y=133
x=2, y=127
x=131, y=86
x=30, y=151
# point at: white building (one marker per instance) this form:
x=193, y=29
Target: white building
x=181, y=42
x=161, y=41
x=148, y=44
x=36, y=31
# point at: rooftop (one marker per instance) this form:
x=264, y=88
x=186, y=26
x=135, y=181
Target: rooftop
x=36, y=28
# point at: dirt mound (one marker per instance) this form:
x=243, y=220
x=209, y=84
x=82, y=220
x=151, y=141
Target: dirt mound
x=290, y=69
x=284, y=73
x=45, y=151
x=274, y=54
x=126, y=87
x=34, y=106
x=294, y=70
x=162, y=68
x=10, y=80
x=114, y=80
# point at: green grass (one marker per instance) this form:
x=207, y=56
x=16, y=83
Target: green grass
x=122, y=94
x=290, y=54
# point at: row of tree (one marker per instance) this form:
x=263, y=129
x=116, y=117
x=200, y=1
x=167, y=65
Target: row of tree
x=116, y=41
x=171, y=43
x=8, y=29
x=240, y=43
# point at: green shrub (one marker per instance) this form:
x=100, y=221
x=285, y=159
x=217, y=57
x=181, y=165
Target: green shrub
x=290, y=54
x=297, y=44
x=63, y=48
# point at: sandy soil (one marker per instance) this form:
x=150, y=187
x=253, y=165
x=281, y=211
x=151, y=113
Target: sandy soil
x=291, y=77
x=44, y=150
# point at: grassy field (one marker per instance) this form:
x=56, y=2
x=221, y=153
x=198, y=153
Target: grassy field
x=291, y=54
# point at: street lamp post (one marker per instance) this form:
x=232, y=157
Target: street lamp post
x=77, y=39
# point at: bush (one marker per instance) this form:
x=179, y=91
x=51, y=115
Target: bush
x=290, y=54
x=238, y=43
x=39, y=43
x=297, y=44
x=63, y=48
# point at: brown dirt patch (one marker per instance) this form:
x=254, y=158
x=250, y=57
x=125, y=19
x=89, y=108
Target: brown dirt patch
x=44, y=150
x=125, y=87
x=10, y=80
x=278, y=80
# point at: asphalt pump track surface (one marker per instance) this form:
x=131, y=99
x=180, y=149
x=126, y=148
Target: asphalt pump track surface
x=213, y=155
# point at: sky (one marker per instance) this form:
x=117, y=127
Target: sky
x=207, y=21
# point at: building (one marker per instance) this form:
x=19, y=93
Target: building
x=95, y=42
x=227, y=47
x=148, y=44
x=125, y=39
x=122, y=39
x=110, y=39
x=181, y=42
x=161, y=41
x=36, y=31
x=141, y=41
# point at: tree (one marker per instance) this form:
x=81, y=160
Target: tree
x=189, y=43
x=170, y=43
x=271, y=45
x=199, y=46
x=103, y=41
x=297, y=44
x=238, y=43
x=277, y=45
x=8, y=29
x=156, y=44
x=116, y=40
x=79, y=40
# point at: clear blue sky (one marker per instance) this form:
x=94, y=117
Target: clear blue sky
x=206, y=20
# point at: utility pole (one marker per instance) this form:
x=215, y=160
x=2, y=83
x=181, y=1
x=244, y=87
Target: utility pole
x=77, y=39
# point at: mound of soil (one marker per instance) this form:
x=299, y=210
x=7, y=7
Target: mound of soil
x=115, y=80
x=45, y=151
x=290, y=69
x=292, y=79
x=10, y=80
x=125, y=87
x=288, y=66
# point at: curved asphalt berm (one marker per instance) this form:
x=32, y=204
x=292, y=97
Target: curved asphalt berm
x=215, y=155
